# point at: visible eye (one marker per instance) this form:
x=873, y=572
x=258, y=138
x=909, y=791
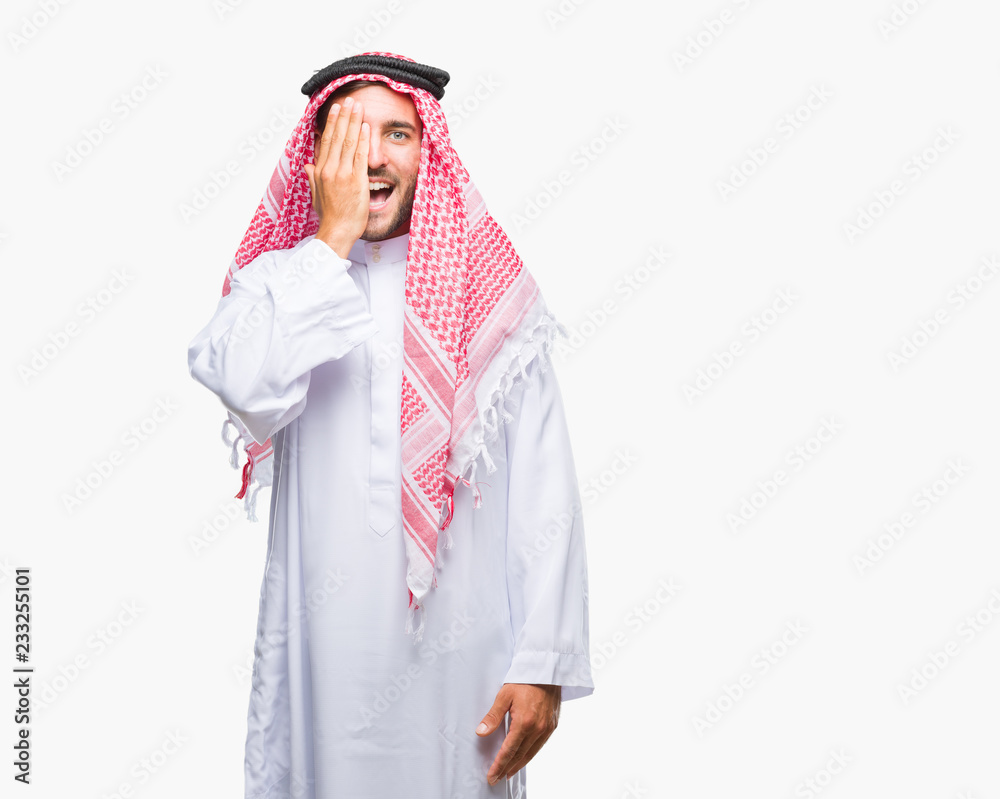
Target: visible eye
x=404, y=136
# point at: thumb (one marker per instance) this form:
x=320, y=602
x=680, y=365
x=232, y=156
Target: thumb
x=496, y=713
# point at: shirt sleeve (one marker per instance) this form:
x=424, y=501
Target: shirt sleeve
x=283, y=316
x=546, y=556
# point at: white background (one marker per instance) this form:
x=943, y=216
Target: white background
x=644, y=141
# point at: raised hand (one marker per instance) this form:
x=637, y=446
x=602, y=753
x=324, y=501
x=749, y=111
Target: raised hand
x=338, y=178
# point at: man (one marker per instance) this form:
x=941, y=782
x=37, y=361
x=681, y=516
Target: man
x=377, y=340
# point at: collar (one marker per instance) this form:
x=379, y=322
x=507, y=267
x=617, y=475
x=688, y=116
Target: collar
x=369, y=253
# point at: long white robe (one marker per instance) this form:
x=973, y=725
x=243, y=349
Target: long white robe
x=308, y=348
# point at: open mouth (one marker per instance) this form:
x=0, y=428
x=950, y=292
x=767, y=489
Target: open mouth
x=379, y=193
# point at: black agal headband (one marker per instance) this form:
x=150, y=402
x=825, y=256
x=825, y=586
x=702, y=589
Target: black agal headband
x=419, y=75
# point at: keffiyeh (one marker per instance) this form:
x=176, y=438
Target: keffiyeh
x=474, y=316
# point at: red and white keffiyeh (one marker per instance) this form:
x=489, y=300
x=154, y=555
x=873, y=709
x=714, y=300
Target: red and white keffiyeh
x=474, y=318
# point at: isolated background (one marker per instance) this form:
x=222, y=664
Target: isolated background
x=166, y=628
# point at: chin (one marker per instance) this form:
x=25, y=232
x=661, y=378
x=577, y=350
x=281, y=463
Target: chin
x=384, y=230
x=376, y=235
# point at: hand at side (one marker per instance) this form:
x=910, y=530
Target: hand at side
x=534, y=715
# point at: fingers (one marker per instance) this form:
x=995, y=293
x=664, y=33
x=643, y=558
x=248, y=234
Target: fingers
x=337, y=138
x=339, y=146
x=534, y=715
x=361, y=156
x=312, y=184
x=512, y=744
x=323, y=148
x=533, y=736
x=524, y=754
x=338, y=178
x=352, y=116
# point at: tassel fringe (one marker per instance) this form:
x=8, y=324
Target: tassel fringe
x=503, y=394
x=409, y=621
x=255, y=475
x=542, y=338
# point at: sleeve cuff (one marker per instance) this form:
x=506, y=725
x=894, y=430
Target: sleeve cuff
x=571, y=671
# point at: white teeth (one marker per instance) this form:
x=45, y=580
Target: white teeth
x=373, y=186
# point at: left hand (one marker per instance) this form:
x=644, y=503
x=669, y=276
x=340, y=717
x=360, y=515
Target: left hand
x=534, y=714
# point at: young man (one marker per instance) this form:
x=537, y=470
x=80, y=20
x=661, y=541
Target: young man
x=378, y=340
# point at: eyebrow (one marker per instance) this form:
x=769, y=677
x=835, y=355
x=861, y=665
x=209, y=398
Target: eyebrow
x=400, y=124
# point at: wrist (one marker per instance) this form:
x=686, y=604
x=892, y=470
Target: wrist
x=336, y=241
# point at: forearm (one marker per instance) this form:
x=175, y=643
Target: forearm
x=283, y=317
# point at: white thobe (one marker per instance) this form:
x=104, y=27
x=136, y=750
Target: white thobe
x=307, y=349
